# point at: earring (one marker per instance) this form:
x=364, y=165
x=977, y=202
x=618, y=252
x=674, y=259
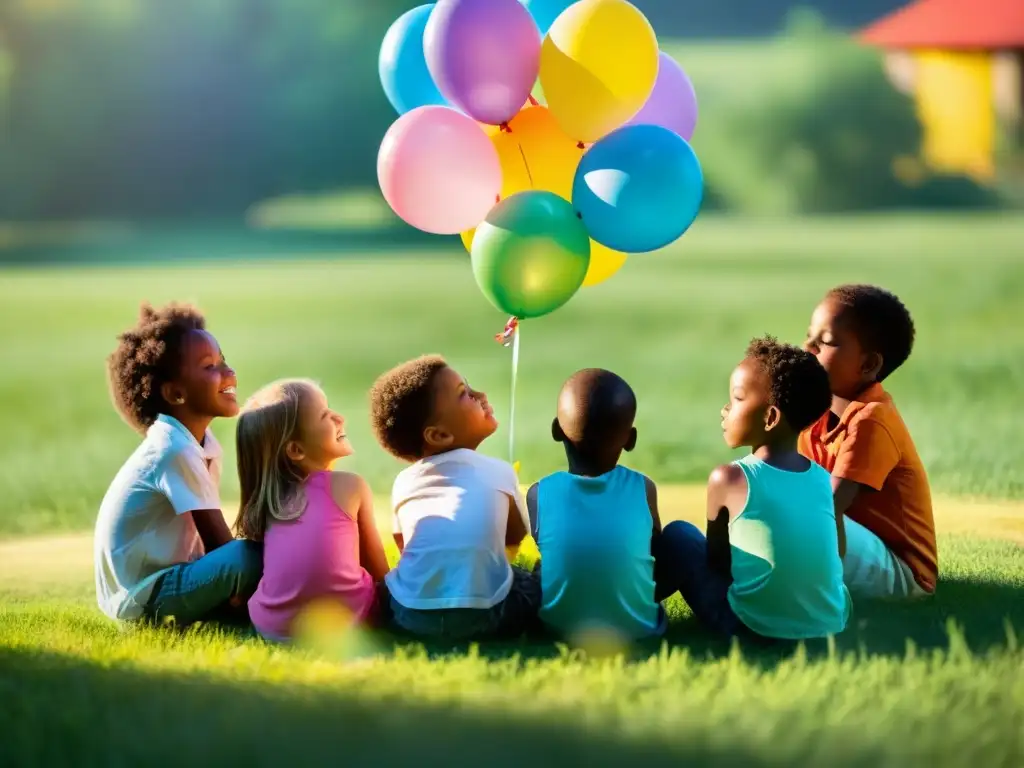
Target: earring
x=179, y=401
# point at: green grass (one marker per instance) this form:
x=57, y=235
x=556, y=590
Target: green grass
x=936, y=681
x=673, y=324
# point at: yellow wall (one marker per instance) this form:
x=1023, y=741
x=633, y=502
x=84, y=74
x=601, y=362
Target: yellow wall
x=954, y=92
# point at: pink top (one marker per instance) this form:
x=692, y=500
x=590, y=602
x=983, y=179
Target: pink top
x=313, y=557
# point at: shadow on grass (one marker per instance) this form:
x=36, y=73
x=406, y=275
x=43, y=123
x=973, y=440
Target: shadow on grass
x=67, y=711
x=984, y=615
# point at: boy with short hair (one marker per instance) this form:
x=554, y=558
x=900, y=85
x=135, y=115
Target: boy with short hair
x=860, y=335
x=595, y=523
x=455, y=510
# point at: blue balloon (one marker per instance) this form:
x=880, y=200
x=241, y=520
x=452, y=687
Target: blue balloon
x=545, y=12
x=638, y=189
x=403, y=65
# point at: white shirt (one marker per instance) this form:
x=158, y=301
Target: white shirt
x=145, y=524
x=452, y=511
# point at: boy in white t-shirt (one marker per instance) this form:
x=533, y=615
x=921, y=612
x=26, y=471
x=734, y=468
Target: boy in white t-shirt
x=455, y=511
x=162, y=548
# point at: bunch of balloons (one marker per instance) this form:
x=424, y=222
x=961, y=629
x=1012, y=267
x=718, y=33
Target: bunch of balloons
x=552, y=135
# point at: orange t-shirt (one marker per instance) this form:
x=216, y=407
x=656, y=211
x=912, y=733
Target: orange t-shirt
x=872, y=446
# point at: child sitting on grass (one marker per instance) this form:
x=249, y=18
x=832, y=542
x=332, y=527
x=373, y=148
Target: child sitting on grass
x=162, y=548
x=455, y=511
x=861, y=334
x=317, y=526
x=594, y=524
x=770, y=565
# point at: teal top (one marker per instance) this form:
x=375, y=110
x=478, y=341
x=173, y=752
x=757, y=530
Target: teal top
x=597, y=571
x=787, y=574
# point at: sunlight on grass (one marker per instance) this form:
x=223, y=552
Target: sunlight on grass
x=344, y=211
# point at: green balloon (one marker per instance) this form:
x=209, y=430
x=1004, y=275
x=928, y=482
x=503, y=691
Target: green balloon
x=531, y=254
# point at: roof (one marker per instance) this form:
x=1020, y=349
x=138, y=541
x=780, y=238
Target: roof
x=951, y=24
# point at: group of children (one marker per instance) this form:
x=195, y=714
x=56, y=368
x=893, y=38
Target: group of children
x=830, y=504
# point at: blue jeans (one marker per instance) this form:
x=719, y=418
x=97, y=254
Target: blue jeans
x=681, y=565
x=509, y=618
x=204, y=588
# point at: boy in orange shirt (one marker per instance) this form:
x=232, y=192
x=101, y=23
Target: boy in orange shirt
x=861, y=334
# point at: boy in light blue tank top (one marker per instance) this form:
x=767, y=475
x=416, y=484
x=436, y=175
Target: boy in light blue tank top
x=595, y=523
x=770, y=565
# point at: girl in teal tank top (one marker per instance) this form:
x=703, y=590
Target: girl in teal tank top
x=594, y=524
x=770, y=564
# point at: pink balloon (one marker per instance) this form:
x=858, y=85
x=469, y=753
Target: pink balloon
x=438, y=170
x=673, y=102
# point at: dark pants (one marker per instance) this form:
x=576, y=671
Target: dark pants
x=509, y=618
x=204, y=589
x=681, y=565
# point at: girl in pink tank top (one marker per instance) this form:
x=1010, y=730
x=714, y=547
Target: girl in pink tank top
x=320, y=540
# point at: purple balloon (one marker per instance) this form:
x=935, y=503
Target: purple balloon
x=673, y=102
x=484, y=56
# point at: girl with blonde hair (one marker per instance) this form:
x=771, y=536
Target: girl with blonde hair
x=317, y=525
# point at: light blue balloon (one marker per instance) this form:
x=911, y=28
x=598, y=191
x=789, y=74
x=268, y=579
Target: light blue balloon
x=545, y=12
x=403, y=65
x=638, y=189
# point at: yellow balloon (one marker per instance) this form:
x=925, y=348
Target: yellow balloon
x=604, y=262
x=598, y=65
x=467, y=239
x=536, y=154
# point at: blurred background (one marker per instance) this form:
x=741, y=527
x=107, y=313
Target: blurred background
x=223, y=152
x=268, y=114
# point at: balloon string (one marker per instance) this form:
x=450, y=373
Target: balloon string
x=512, y=400
x=533, y=101
x=526, y=164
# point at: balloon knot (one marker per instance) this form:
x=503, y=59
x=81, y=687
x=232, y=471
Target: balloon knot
x=579, y=215
x=504, y=128
x=581, y=145
x=505, y=337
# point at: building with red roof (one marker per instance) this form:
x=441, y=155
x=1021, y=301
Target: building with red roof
x=962, y=60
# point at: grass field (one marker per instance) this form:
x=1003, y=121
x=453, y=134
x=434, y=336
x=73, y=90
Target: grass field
x=938, y=681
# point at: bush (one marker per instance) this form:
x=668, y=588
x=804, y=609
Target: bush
x=828, y=138
x=188, y=107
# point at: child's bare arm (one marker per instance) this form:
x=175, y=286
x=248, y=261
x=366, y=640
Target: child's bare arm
x=652, y=504
x=844, y=492
x=353, y=495
x=212, y=527
x=515, y=528
x=727, y=491
x=866, y=458
x=531, y=509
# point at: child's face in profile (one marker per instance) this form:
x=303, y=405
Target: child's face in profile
x=831, y=339
x=322, y=431
x=462, y=416
x=743, y=418
x=205, y=382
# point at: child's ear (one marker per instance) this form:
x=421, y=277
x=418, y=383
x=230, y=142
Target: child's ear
x=171, y=393
x=293, y=450
x=872, y=365
x=772, y=418
x=436, y=437
x=556, y=431
x=631, y=441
